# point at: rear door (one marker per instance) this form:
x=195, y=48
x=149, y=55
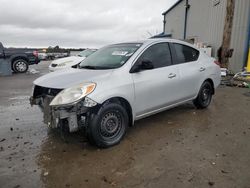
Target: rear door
x=158, y=87
x=191, y=70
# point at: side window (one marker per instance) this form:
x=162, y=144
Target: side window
x=185, y=53
x=158, y=54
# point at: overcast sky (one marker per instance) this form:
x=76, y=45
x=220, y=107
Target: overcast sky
x=79, y=23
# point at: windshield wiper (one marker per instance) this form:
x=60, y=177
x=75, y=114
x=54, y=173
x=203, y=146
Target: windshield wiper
x=88, y=67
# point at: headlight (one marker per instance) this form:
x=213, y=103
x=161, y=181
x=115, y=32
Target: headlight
x=73, y=94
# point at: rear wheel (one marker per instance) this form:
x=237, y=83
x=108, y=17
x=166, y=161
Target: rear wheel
x=20, y=66
x=108, y=126
x=205, y=96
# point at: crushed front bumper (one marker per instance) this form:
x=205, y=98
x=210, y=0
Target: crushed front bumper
x=74, y=116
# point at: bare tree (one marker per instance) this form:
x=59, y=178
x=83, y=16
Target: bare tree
x=225, y=48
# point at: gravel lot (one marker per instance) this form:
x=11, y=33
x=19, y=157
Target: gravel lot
x=182, y=147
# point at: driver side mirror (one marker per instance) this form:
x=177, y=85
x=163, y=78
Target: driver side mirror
x=143, y=65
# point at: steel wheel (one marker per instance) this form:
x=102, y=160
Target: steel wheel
x=111, y=124
x=108, y=126
x=205, y=95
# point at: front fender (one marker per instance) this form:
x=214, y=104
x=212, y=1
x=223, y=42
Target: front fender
x=124, y=92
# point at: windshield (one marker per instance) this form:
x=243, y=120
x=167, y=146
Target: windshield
x=86, y=53
x=110, y=57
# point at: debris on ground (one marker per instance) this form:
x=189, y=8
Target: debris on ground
x=211, y=183
x=240, y=79
x=67, y=185
x=11, y=129
x=32, y=71
x=224, y=71
x=104, y=178
x=2, y=140
x=45, y=173
x=224, y=172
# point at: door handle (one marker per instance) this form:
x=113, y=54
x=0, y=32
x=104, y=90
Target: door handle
x=202, y=69
x=171, y=75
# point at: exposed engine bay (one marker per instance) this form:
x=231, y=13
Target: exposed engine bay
x=72, y=116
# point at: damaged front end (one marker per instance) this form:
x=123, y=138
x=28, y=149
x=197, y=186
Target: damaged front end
x=73, y=116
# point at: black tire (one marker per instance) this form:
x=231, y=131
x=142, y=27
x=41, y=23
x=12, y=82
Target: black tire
x=12, y=67
x=205, y=96
x=20, y=66
x=108, y=126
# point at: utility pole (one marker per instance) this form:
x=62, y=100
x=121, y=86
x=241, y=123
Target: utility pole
x=225, y=48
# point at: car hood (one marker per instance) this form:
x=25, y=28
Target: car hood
x=69, y=60
x=70, y=77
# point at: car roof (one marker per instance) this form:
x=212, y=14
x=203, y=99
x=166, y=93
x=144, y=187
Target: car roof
x=158, y=40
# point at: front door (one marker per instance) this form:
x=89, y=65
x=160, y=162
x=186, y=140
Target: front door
x=158, y=87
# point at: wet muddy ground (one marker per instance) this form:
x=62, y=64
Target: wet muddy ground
x=182, y=147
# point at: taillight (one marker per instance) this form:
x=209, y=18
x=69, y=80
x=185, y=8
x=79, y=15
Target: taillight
x=217, y=63
x=35, y=53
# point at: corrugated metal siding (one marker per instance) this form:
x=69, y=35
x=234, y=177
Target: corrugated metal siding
x=197, y=20
x=175, y=21
x=239, y=34
x=206, y=23
x=216, y=19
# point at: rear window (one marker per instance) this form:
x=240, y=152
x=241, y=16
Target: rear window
x=185, y=53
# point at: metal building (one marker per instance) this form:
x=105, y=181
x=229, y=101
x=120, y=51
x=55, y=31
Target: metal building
x=203, y=21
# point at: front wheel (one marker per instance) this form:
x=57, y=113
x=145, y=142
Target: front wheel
x=205, y=95
x=108, y=126
x=20, y=66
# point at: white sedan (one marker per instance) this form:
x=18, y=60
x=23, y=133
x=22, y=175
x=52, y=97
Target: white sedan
x=125, y=82
x=70, y=62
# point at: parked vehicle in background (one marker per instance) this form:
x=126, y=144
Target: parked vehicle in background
x=42, y=56
x=70, y=62
x=20, y=59
x=50, y=56
x=122, y=83
x=60, y=55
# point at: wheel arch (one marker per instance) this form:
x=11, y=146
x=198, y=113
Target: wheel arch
x=13, y=59
x=212, y=83
x=122, y=101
